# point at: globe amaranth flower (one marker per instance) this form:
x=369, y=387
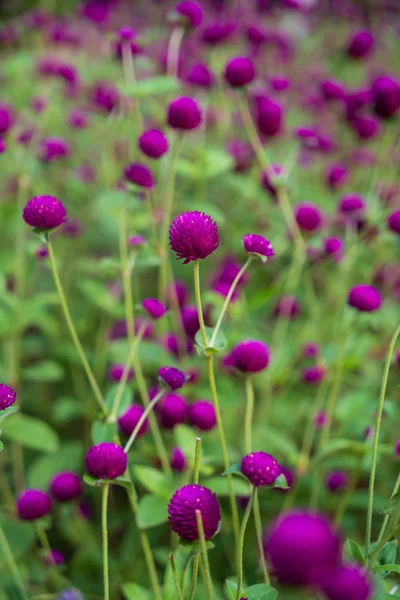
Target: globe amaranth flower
x=260, y=468
x=386, y=97
x=139, y=175
x=6, y=118
x=7, y=396
x=258, y=245
x=308, y=216
x=239, y=71
x=332, y=90
x=66, y=486
x=178, y=460
x=44, y=212
x=115, y=373
x=174, y=378
x=153, y=143
x=33, y=504
x=270, y=117
x=352, y=204
x=348, y=582
x=337, y=481
x=337, y=175
x=364, y=298
x=131, y=417
x=70, y=594
x=393, y=222
x=366, y=127
x=172, y=410
x=300, y=546
x=106, y=461
x=55, y=557
x=126, y=33
x=313, y=375
x=270, y=177
x=310, y=350
x=190, y=320
x=193, y=235
x=178, y=290
x=182, y=512
x=53, y=148
x=154, y=308
x=201, y=76
x=191, y=12
x=184, y=113
x=361, y=44
x=250, y=356
x=137, y=241
x=333, y=246
x=202, y=415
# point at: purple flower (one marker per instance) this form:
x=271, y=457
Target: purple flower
x=42, y=253
x=180, y=290
x=366, y=127
x=287, y=307
x=7, y=396
x=106, y=461
x=193, y=235
x=332, y=90
x=6, y=118
x=352, y=204
x=172, y=410
x=131, y=417
x=337, y=481
x=397, y=444
x=191, y=11
x=190, y=320
x=364, y=298
x=53, y=148
x=66, y=486
x=202, y=415
x=153, y=143
x=182, y=512
x=44, y=212
x=140, y=175
x=174, y=378
x=313, y=374
x=217, y=32
x=70, y=594
x=386, y=94
x=126, y=33
x=33, y=504
x=178, y=460
x=269, y=177
x=154, y=308
x=300, y=546
x=361, y=44
x=320, y=419
x=333, y=246
x=260, y=468
x=184, y=113
x=258, y=245
x=239, y=71
x=105, y=96
x=201, y=76
x=256, y=35
x=77, y=119
x=393, y=222
x=308, y=216
x=116, y=371
x=337, y=175
x=270, y=117
x=54, y=558
x=250, y=356
x=348, y=582
x=310, y=350
x=242, y=153
x=136, y=241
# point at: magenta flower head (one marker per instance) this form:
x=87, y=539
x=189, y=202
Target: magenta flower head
x=301, y=546
x=178, y=460
x=239, y=71
x=201, y=76
x=361, y=44
x=53, y=148
x=191, y=12
x=184, y=113
x=126, y=33
x=33, y=504
x=202, y=415
x=333, y=246
x=250, y=356
x=270, y=117
x=6, y=118
x=393, y=222
x=153, y=143
x=7, y=396
x=154, y=308
x=287, y=307
x=348, y=582
x=116, y=371
x=139, y=175
x=193, y=236
x=55, y=557
x=313, y=375
x=308, y=216
x=190, y=320
x=182, y=512
x=310, y=350
x=352, y=204
x=337, y=481
x=386, y=97
x=172, y=410
x=131, y=417
x=106, y=461
x=260, y=468
x=137, y=241
x=366, y=127
x=44, y=212
x=364, y=298
x=337, y=175
x=332, y=90
x=258, y=246
x=172, y=377
x=66, y=486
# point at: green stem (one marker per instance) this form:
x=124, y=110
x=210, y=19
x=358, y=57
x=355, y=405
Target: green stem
x=196, y=277
x=248, y=421
x=130, y=77
x=12, y=565
x=142, y=419
x=241, y=543
x=71, y=327
x=196, y=470
x=381, y=537
x=174, y=45
x=195, y=572
x=104, y=504
x=258, y=525
x=175, y=576
x=376, y=442
x=204, y=556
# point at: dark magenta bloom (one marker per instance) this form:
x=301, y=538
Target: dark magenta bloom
x=352, y=204
x=218, y=32
x=105, y=96
x=33, y=504
x=313, y=374
x=77, y=119
x=257, y=35
x=154, y=308
x=174, y=378
x=7, y=396
x=300, y=546
x=397, y=444
x=308, y=216
x=3, y=146
x=116, y=371
x=348, y=582
x=137, y=241
x=310, y=350
x=337, y=481
x=320, y=419
x=393, y=222
x=153, y=143
x=239, y=71
x=202, y=415
x=182, y=512
x=260, y=468
x=270, y=117
x=6, y=118
x=42, y=253
x=190, y=320
x=332, y=90
x=54, y=558
x=66, y=486
x=269, y=178
x=44, y=212
x=333, y=246
x=364, y=298
x=184, y=113
x=106, y=461
x=140, y=175
x=361, y=44
x=201, y=76
x=337, y=175
x=53, y=148
x=250, y=356
x=131, y=417
x=257, y=244
x=192, y=12
x=287, y=307
x=126, y=33
x=193, y=235
x=172, y=410
x=178, y=460
x=242, y=153
x=386, y=97
x=180, y=290
x=366, y=127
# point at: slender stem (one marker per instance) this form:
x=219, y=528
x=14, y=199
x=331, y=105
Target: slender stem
x=12, y=565
x=129, y=74
x=126, y=270
x=195, y=571
x=228, y=299
x=258, y=525
x=174, y=45
x=249, y=414
x=204, y=556
x=341, y=509
x=376, y=442
x=142, y=419
x=252, y=133
x=196, y=471
x=196, y=276
x=89, y=373
x=104, y=505
x=381, y=536
x=175, y=576
x=309, y=433
x=241, y=543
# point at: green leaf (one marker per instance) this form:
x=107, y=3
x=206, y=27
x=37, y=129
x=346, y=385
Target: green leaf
x=232, y=588
x=340, y=446
x=31, y=433
x=392, y=504
x=220, y=486
x=153, y=86
x=20, y=536
x=152, y=511
x=261, y=591
x=234, y=469
x=218, y=345
x=388, y=553
x=92, y=481
x=1, y=446
x=354, y=550
x=7, y=412
x=125, y=402
x=132, y=591
x=96, y=294
x=185, y=439
x=154, y=481
x=281, y=483
x=45, y=370
x=103, y=432
x=42, y=234
x=389, y=568
x=122, y=481
x=66, y=409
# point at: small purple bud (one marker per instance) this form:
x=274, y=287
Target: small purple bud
x=106, y=461
x=239, y=72
x=66, y=486
x=250, y=356
x=172, y=410
x=116, y=371
x=131, y=417
x=153, y=143
x=33, y=504
x=139, y=175
x=174, y=378
x=154, y=308
x=178, y=460
x=258, y=245
x=337, y=481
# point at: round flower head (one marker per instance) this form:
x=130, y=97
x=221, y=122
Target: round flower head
x=55, y=557
x=250, y=356
x=287, y=307
x=153, y=143
x=393, y=222
x=154, y=308
x=139, y=175
x=386, y=97
x=300, y=545
x=178, y=460
x=126, y=33
x=136, y=241
x=333, y=246
x=201, y=76
x=192, y=13
x=313, y=375
x=260, y=468
x=337, y=175
x=33, y=504
x=202, y=415
x=184, y=113
x=174, y=378
x=116, y=371
x=308, y=216
x=53, y=148
x=310, y=350
x=42, y=253
x=337, y=481
x=190, y=320
x=361, y=44
x=6, y=118
x=366, y=127
x=352, y=204
x=182, y=512
x=239, y=71
x=332, y=90
x=44, y=212
x=193, y=235
x=106, y=461
x=348, y=582
x=258, y=245
x=7, y=396
x=131, y=417
x=364, y=298
x=66, y=486
x=270, y=117
x=172, y=410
